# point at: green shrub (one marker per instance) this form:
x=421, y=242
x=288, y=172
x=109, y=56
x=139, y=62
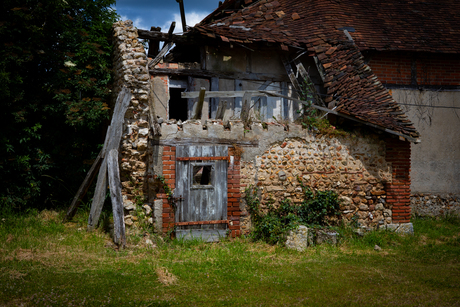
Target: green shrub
x=317, y=209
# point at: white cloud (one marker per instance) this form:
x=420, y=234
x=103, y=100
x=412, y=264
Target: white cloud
x=191, y=19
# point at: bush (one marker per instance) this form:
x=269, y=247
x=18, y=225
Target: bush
x=317, y=210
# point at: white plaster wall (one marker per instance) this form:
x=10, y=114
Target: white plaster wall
x=436, y=160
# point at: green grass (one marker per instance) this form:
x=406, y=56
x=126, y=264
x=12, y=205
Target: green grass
x=45, y=263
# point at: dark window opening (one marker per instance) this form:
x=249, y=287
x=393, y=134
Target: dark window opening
x=202, y=174
x=177, y=105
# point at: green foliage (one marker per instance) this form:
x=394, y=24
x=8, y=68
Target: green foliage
x=55, y=75
x=318, y=209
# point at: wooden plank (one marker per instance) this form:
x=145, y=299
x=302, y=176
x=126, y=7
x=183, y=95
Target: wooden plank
x=119, y=236
x=83, y=188
x=112, y=141
x=199, y=73
x=290, y=72
x=320, y=68
x=101, y=188
x=225, y=94
x=221, y=110
x=201, y=158
x=203, y=142
x=237, y=100
x=153, y=120
x=214, y=102
x=201, y=223
x=198, y=106
x=245, y=116
x=348, y=117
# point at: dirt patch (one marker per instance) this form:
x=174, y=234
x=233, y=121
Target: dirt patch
x=165, y=277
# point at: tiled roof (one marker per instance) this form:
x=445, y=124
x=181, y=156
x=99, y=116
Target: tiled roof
x=318, y=25
x=415, y=25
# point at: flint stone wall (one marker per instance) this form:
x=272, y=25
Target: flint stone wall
x=130, y=70
x=435, y=204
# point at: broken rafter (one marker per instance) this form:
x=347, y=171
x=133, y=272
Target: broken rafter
x=165, y=37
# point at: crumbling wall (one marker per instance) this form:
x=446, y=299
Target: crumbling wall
x=130, y=70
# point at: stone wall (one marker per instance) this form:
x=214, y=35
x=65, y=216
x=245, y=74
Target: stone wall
x=435, y=205
x=354, y=167
x=130, y=70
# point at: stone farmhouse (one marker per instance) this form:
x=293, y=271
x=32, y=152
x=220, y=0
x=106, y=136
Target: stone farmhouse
x=220, y=111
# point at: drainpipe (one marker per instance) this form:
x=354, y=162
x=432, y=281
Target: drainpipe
x=182, y=14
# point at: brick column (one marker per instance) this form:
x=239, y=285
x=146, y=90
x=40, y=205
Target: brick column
x=398, y=191
x=233, y=195
x=169, y=172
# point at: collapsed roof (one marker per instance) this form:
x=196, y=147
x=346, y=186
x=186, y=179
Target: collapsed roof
x=335, y=32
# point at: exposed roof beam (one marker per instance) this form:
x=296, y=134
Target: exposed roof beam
x=199, y=73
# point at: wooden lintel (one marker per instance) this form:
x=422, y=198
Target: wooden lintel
x=205, y=142
x=202, y=158
x=225, y=94
x=199, y=73
x=201, y=223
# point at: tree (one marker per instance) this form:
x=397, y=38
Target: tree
x=55, y=79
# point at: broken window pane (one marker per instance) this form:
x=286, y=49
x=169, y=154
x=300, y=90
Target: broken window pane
x=202, y=174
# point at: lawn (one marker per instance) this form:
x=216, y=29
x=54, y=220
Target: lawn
x=46, y=263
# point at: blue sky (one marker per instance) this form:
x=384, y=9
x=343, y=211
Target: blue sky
x=160, y=13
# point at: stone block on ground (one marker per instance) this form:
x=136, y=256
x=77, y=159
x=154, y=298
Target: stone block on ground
x=298, y=239
x=326, y=236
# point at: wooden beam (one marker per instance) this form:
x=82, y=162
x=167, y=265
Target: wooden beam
x=245, y=108
x=199, y=73
x=347, y=117
x=205, y=141
x=119, y=236
x=226, y=94
x=83, y=188
x=198, y=107
x=165, y=49
x=165, y=37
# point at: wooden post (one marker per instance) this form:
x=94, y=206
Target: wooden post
x=119, y=236
x=214, y=102
x=245, y=109
x=198, y=107
x=221, y=109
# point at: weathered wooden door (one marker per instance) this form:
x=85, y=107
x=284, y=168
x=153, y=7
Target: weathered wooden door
x=201, y=189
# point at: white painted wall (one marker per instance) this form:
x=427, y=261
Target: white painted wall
x=436, y=160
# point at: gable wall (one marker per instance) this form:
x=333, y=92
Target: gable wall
x=435, y=169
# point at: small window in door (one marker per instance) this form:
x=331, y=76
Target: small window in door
x=202, y=175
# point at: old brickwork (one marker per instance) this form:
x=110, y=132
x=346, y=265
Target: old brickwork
x=398, y=191
x=420, y=69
